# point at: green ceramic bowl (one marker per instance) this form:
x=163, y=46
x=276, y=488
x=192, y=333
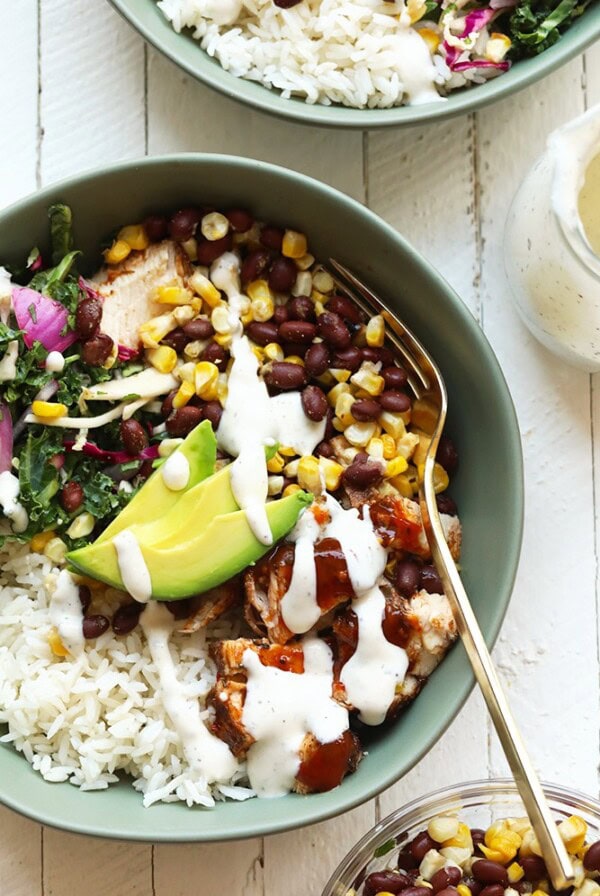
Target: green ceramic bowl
x=488, y=486
x=146, y=17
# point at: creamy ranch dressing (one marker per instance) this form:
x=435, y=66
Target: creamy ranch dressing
x=66, y=612
x=251, y=418
x=132, y=566
x=176, y=471
x=415, y=65
x=13, y=509
x=281, y=708
x=207, y=754
x=589, y=204
x=299, y=607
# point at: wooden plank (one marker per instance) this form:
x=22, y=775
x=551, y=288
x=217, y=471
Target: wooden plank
x=18, y=100
x=95, y=867
x=20, y=855
x=235, y=868
x=92, y=99
x=592, y=75
x=547, y=652
x=183, y=115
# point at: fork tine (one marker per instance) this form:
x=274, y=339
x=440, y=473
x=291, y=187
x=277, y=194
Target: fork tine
x=361, y=294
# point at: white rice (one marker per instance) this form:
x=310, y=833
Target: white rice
x=349, y=52
x=84, y=720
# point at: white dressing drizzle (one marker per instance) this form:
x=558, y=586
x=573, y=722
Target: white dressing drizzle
x=132, y=566
x=206, y=754
x=66, y=613
x=281, y=708
x=251, y=418
x=299, y=607
x=55, y=362
x=13, y=509
x=176, y=471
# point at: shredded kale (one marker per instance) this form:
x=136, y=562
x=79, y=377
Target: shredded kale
x=535, y=25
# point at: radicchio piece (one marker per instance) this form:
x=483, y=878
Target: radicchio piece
x=88, y=290
x=476, y=20
x=480, y=63
x=124, y=353
x=42, y=319
x=114, y=457
x=6, y=438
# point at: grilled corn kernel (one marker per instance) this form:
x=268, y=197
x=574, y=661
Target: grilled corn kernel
x=294, y=359
x=432, y=862
x=519, y=825
x=498, y=827
x=135, y=236
x=220, y=320
x=431, y=38
x=185, y=372
x=334, y=394
x=273, y=352
x=183, y=314
x=375, y=333
x=515, y=873
x=291, y=490
x=203, y=287
x=424, y=415
x=395, y=467
x=340, y=374
x=276, y=464
x=530, y=845
x=183, y=394
x=304, y=263
x=457, y=854
x=173, y=295
x=416, y=10
x=331, y=472
x=539, y=892
x=294, y=244
x=463, y=890
x=375, y=448
x=442, y=827
x=291, y=469
x=112, y=357
x=205, y=380
x=359, y=434
x=462, y=839
x=56, y=645
x=214, y=226
x=194, y=349
x=190, y=247
x=309, y=474
x=223, y=339
x=156, y=329
x=287, y=451
x=504, y=847
x=262, y=308
x=406, y=444
x=163, y=358
x=343, y=409
x=588, y=888
x=578, y=872
x=49, y=410
x=497, y=47
x=259, y=353
x=222, y=388
x=39, y=541
x=117, y=253
x=303, y=284
x=392, y=423
x=168, y=446
x=404, y=486
x=367, y=378
x=323, y=281
x=259, y=289
x=573, y=831
x=440, y=484
x=55, y=549
x=275, y=485
x=389, y=446
x=82, y=525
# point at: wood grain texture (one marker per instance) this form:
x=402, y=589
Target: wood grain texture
x=94, y=867
x=208, y=869
x=21, y=852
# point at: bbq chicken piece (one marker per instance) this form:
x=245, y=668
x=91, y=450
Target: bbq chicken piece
x=128, y=289
x=322, y=766
x=422, y=625
x=209, y=606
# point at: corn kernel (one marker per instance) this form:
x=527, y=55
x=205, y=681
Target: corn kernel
x=457, y=854
x=304, y=263
x=294, y=359
x=220, y=319
x=287, y=451
x=183, y=394
x=331, y=472
x=442, y=827
x=223, y=339
x=173, y=295
x=273, y=352
x=504, y=845
x=183, y=314
x=49, y=410
x=135, y=236
x=392, y=423
x=578, y=872
x=515, y=873
x=39, y=541
x=375, y=334
x=205, y=380
x=416, y=10
x=573, y=831
x=275, y=485
x=340, y=374
x=440, y=484
x=190, y=247
x=343, y=409
x=319, y=307
x=367, y=378
x=334, y=394
x=276, y=464
x=203, y=287
x=519, y=825
x=155, y=329
x=55, y=549
x=323, y=281
x=463, y=890
x=539, y=892
x=117, y=253
x=530, y=845
x=389, y=446
x=185, y=372
x=294, y=244
x=262, y=309
x=309, y=474
x=259, y=353
x=432, y=862
x=258, y=289
x=359, y=434
x=431, y=38
x=56, y=645
x=222, y=389
x=497, y=47
x=404, y=486
x=303, y=284
x=82, y=525
x=424, y=415
x=588, y=888
x=406, y=444
x=168, y=446
x=462, y=839
x=395, y=467
x=163, y=358
x=291, y=490
x=291, y=469
x=375, y=448
x=214, y=226
x=195, y=348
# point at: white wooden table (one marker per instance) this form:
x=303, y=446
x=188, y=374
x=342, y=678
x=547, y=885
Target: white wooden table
x=78, y=89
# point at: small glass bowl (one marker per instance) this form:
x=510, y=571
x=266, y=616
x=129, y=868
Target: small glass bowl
x=478, y=804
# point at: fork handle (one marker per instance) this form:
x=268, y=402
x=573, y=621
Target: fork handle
x=554, y=852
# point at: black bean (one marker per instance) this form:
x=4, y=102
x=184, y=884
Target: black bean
x=407, y=576
x=280, y=315
x=183, y=224
x=71, y=496
x=133, y=436
x=156, y=227
x=431, y=582
x=492, y=890
x=446, y=504
x=85, y=597
x=447, y=455
x=445, y=877
x=447, y=891
x=421, y=844
x=395, y=377
x=262, y=332
x=386, y=881
x=397, y=402
x=167, y=405
x=285, y=375
x=366, y=409
x=183, y=420
x=362, y=475
x=180, y=609
x=301, y=331
x=282, y=274
x=301, y=308
x=209, y=250
x=333, y=330
x=488, y=872
x=345, y=307
x=416, y=891
x=254, y=265
x=200, y=328
x=324, y=449
x=316, y=359
x=271, y=237
x=88, y=316
x=591, y=860
x=348, y=358
x=314, y=403
x=534, y=868
x=378, y=355
x=176, y=340
x=96, y=350
x=240, y=219
x=212, y=411
x=474, y=886
x=216, y=354
x=407, y=862
x=126, y=618
x=94, y=626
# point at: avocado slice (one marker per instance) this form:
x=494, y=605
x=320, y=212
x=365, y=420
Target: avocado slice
x=196, y=563
x=154, y=499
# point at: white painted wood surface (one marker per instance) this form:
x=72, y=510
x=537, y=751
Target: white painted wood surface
x=79, y=88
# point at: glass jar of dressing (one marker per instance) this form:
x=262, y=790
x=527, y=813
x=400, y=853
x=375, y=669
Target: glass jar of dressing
x=552, y=244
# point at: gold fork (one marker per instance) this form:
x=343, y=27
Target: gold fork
x=428, y=386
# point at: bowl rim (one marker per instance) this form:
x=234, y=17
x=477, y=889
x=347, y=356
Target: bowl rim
x=523, y=73
x=427, y=805
x=319, y=810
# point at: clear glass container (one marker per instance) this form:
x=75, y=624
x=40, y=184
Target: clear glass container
x=478, y=804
